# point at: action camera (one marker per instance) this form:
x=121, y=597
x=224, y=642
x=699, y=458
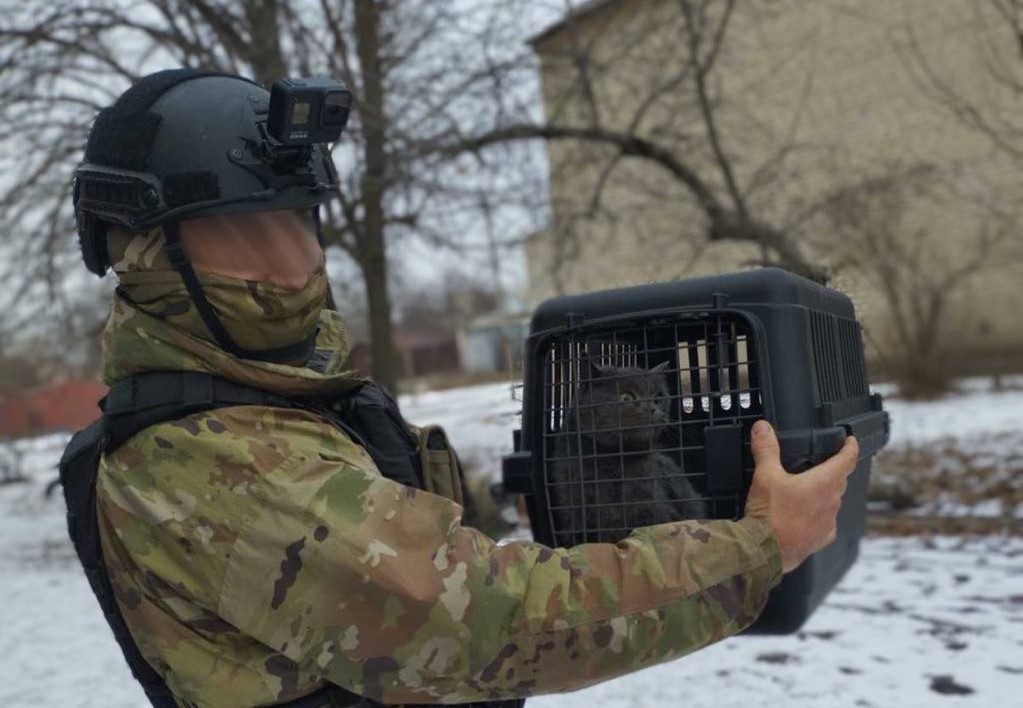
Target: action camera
x=308, y=111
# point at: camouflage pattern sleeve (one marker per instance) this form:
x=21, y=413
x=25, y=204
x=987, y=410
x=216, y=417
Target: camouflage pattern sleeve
x=380, y=588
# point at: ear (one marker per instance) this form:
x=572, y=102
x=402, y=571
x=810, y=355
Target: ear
x=594, y=370
x=659, y=368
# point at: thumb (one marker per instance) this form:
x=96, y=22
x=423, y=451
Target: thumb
x=764, y=445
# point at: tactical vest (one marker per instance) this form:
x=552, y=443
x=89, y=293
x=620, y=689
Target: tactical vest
x=414, y=457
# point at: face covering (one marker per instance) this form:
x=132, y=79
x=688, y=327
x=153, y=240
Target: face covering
x=278, y=247
x=262, y=273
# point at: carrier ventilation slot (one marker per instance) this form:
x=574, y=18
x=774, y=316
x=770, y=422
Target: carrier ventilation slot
x=838, y=357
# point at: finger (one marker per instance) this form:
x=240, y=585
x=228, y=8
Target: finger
x=832, y=536
x=764, y=445
x=842, y=486
x=843, y=463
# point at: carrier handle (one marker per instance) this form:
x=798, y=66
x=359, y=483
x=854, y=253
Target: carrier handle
x=802, y=449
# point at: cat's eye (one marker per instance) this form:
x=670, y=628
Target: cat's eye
x=626, y=397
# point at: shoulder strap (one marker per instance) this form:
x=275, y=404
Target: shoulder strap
x=369, y=415
x=375, y=416
x=138, y=402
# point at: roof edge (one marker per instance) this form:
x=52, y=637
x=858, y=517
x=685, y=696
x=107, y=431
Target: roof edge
x=576, y=13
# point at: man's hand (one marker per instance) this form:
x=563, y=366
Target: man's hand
x=801, y=509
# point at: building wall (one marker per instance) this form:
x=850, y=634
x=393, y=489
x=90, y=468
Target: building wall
x=834, y=83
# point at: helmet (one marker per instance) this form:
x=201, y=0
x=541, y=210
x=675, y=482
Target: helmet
x=184, y=143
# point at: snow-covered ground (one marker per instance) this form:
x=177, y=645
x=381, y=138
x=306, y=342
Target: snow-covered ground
x=963, y=454
x=917, y=622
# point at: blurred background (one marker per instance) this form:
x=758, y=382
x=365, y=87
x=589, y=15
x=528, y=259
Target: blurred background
x=504, y=151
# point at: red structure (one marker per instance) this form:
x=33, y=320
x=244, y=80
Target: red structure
x=420, y=354
x=56, y=407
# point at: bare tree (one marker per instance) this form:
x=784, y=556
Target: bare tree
x=979, y=93
x=663, y=60
x=410, y=65
x=989, y=108
x=886, y=228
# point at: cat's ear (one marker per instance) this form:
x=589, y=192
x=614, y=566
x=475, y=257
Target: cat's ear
x=659, y=368
x=594, y=370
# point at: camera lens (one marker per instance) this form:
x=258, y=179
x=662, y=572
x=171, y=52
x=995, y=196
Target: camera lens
x=335, y=107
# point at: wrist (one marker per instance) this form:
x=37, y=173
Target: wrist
x=767, y=542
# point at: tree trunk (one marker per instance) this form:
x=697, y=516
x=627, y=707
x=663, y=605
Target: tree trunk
x=370, y=243
x=381, y=332
x=268, y=63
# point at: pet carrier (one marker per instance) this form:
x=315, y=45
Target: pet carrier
x=638, y=403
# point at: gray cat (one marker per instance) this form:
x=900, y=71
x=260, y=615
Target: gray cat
x=607, y=470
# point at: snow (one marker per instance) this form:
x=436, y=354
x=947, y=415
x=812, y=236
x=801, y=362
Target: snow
x=916, y=622
x=56, y=646
x=963, y=453
x=972, y=413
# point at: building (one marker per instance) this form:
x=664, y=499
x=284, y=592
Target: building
x=812, y=103
x=493, y=343
x=420, y=354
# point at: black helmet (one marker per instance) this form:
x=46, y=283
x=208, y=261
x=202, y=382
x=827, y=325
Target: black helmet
x=185, y=143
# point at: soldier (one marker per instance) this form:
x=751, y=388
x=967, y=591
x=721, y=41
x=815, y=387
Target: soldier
x=259, y=555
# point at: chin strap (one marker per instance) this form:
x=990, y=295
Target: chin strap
x=331, y=305
x=297, y=352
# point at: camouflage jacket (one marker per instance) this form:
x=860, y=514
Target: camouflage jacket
x=257, y=552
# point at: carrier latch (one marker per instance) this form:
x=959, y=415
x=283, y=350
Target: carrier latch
x=516, y=468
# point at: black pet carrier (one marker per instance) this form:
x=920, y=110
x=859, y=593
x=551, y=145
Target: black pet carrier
x=638, y=403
